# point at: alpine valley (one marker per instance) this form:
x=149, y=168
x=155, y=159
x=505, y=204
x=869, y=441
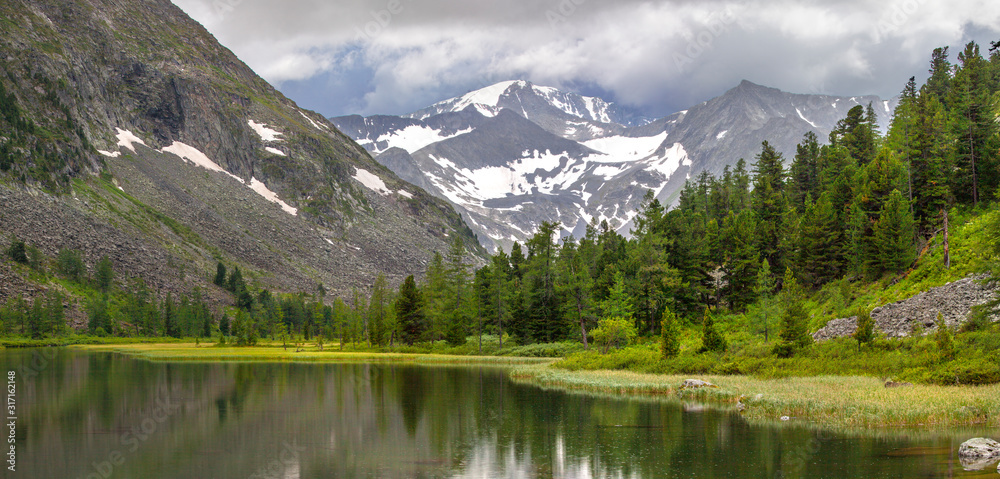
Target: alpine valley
x=512, y=155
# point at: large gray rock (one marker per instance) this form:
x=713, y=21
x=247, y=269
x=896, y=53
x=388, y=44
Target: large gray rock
x=978, y=453
x=896, y=320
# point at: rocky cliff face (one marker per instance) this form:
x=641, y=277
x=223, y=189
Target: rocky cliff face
x=135, y=134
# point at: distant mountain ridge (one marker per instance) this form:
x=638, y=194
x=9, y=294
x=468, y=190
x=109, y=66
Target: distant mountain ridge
x=514, y=154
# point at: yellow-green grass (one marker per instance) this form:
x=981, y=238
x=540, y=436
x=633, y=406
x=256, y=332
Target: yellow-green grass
x=277, y=353
x=828, y=401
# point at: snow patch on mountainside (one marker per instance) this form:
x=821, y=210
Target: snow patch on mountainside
x=413, y=138
x=126, y=139
x=618, y=149
x=194, y=156
x=371, y=181
x=671, y=159
x=274, y=151
x=265, y=133
x=803, y=117
x=271, y=196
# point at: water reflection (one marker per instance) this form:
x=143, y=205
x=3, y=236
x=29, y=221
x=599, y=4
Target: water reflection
x=91, y=415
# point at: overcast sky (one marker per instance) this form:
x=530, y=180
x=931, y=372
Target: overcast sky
x=395, y=56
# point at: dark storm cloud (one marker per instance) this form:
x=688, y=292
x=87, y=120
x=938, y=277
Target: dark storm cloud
x=394, y=56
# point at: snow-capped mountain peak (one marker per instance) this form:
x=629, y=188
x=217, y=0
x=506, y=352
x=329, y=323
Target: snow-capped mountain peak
x=514, y=154
x=532, y=101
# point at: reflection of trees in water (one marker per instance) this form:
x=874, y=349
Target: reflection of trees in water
x=397, y=420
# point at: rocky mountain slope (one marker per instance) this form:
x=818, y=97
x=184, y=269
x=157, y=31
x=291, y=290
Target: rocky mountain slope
x=128, y=131
x=514, y=154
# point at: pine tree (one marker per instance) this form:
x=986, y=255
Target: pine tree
x=711, y=340
x=670, y=341
x=18, y=251
x=436, y=298
x=409, y=311
x=940, y=79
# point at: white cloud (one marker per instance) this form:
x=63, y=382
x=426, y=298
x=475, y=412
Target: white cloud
x=641, y=52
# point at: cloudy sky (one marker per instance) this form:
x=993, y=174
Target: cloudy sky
x=396, y=56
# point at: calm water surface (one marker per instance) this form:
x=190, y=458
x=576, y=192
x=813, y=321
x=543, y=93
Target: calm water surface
x=97, y=415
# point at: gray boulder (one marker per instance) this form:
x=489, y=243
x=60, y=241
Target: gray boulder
x=978, y=453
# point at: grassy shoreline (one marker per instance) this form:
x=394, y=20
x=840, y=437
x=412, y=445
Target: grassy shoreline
x=839, y=402
x=276, y=353
x=826, y=401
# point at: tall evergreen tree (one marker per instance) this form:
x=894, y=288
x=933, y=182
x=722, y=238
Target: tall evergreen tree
x=804, y=180
x=409, y=311
x=769, y=204
x=539, y=281
x=893, y=236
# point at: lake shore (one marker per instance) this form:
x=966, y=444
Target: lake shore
x=212, y=353
x=825, y=401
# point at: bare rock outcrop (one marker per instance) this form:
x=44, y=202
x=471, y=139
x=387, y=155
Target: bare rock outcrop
x=896, y=320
